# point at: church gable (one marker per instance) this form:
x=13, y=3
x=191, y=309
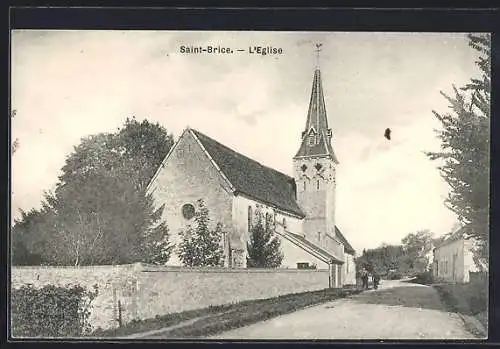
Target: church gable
x=189, y=156
x=186, y=175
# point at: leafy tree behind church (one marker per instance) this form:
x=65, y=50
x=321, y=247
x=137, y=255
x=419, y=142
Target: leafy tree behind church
x=201, y=246
x=99, y=212
x=264, y=248
x=465, y=144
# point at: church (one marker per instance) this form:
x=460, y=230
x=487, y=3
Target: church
x=234, y=187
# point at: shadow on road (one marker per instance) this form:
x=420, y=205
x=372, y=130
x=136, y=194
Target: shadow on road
x=406, y=296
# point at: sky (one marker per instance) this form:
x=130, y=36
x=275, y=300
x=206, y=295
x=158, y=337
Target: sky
x=66, y=85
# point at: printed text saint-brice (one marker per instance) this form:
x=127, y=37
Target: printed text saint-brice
x=260, y=50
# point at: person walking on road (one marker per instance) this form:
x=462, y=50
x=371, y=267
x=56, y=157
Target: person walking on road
x=364, y=279
x=376, y=280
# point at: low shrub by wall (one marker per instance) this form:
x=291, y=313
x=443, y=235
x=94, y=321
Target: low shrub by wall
x=112, y=282
x=50, y=311
x=141, y=291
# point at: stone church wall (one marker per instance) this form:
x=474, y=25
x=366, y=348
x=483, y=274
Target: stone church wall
x=349, y=270
x=241, y=206
x=145, y=291
x=178, y=183
x=294, y=255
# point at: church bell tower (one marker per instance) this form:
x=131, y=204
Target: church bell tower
x=314, y=169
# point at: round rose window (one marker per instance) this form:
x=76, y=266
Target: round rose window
x=188, y=211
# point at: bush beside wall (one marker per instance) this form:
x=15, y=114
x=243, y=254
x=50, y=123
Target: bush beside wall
x=113, y=282
x=140, y=291
x=51, y=311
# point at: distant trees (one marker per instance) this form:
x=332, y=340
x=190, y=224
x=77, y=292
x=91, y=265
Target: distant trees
x=416, y=247
x=264, y=248
x=465, y=143
x=99, y=212
x=382, y=259
x=408, y=258
x=201, y=246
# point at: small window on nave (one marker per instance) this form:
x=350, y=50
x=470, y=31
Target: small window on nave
x=284, y=222
x=317, y=184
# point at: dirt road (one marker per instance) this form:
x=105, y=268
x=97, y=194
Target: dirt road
x=396, y=311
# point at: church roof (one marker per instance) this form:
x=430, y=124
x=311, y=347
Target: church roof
x=315, y=248
x=317, y=125
x=347, y=246
x=251, y=178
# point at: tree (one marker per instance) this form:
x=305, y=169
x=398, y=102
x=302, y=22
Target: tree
x=264, y=248
x=101, y=213
x=382, y=259
x=144, y=146
x=465, y=148
x=200, y=246
x=31, y=236
x=416, y=247
x=156, y=247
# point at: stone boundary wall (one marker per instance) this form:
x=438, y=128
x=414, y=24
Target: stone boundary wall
x=145, y=291
x=113, y=283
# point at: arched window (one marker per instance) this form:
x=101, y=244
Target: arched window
x=317, y=184
x=305, y=185
x=319, y=236
x=284, y=222
x=250, y=217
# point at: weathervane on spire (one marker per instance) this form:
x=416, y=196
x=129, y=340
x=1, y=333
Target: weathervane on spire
x=318, y=50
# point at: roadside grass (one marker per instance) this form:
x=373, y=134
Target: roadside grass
x=158, y=322
x=468, y=299
x=215, y=319
x=255, y=312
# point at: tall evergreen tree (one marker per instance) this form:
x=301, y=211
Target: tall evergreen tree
x=264, y=247
x=465, y=148
x=200, y=246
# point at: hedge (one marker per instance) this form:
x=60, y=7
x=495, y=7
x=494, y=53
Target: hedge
x=51, y=311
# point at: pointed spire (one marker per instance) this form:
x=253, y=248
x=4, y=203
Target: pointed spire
x=316, y=138
x=316, y=115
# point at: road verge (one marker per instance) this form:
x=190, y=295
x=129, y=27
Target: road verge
x=212, y=320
